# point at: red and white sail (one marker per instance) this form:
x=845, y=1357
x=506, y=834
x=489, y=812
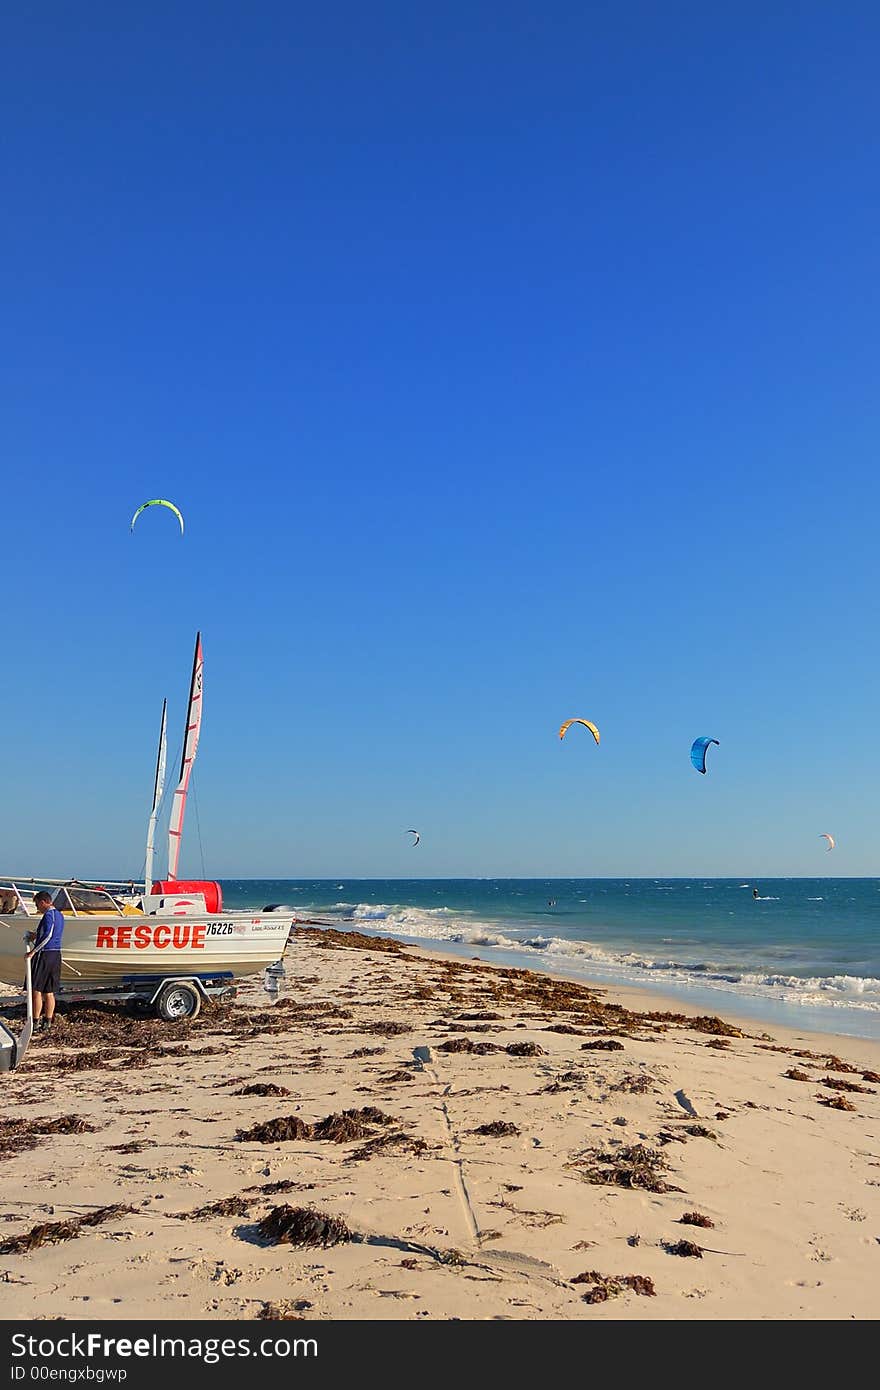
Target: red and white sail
x=190, y=745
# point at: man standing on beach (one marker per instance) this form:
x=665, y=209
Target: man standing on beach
x=46, y=970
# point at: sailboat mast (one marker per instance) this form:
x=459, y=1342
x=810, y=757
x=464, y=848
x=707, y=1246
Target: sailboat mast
x=158, y=787
x=190, y=745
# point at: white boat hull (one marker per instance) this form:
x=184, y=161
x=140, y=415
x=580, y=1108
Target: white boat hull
x=101, y=952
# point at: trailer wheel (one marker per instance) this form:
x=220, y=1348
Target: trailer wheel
x=178, y=1002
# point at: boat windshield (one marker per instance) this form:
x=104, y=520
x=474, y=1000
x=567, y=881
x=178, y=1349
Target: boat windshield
x=82, y=902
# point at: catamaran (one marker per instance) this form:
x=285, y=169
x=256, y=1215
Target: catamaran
x=168, y=943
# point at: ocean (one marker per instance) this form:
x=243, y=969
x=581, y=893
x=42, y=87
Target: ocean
x=805, y=953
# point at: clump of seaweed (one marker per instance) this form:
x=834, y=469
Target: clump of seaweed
x=710, y=1023
x=134, y=1146
x=638, y=1084
x=631, y=1166
x=605, y=1286
x=387, y=1028
x=351, y=1124
x=836, y=1064
x=457, y=1045
x=696, y=1218
x=837, y=1085
x=224, y=1206
x=700, y=1132
x=51, y=1231
x=497, y=1129
x=303, y=1227
x=564, y=1028
x=366, y=1052
x=525, y=1049
x=19, y=1135
x=393, y=1077
x=275, y=1131
x=481, y=1016
x=836, y=1102
x=722, y=1044
x=797, y=1074
x=283, y=1185
x=283, y=1311
x=396, y=1142
x=683, y=1247
x=330, y=938
x=602, y=1045
x=262, y=1088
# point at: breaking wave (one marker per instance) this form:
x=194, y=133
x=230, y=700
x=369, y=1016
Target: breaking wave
x=443, y=924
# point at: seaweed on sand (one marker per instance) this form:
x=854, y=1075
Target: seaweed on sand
x=51, y=1231
x=18, y=1135
x=386, y=1028
x=336, y=1128
x=836, y=1064
x=275, y=1131
x=710, y=1023
x=639, y=1084
x=329, y=938
x=366, y=1052
x=837, y=1085
x=284, y=1311
x=351, y=1124
x=283, y=1185
x=836, y=1102
x=696, y=1218
x=303, y=1227
x=497, y=1129
x=391, y=1142
x=262, y=1088
x=602, y=1045
x=605, y=1286
x=683, y=1247
x=700, y=1132
x=796, y=1074
x=722, y=1044
x=524, y=1049
x=632, y=1166
x=224, y=1206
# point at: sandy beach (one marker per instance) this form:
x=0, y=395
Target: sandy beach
x=403, y=1135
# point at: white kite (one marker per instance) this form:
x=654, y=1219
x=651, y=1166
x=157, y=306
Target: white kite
x=417, y=835
x=830, y=838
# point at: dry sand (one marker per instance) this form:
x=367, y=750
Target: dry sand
x=569, y=1205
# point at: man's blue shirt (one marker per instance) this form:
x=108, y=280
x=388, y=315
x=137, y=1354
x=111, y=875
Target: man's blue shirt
x=50, y=930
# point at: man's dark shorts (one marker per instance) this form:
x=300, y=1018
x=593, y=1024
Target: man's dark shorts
x=46, y=971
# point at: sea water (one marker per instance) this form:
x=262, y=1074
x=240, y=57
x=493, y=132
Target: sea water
x=805, y=952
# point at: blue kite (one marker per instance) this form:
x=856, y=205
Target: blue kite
x=698, y=752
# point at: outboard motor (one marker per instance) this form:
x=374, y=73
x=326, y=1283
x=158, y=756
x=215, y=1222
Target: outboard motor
x=272, y=977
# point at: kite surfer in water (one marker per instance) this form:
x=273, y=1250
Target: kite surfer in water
x=755, y=893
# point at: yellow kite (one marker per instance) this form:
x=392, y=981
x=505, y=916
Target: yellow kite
x=586, y=723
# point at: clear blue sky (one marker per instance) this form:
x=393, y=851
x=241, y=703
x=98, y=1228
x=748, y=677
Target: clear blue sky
x=509, y=362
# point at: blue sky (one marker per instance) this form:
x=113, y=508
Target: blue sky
x=509, y=362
